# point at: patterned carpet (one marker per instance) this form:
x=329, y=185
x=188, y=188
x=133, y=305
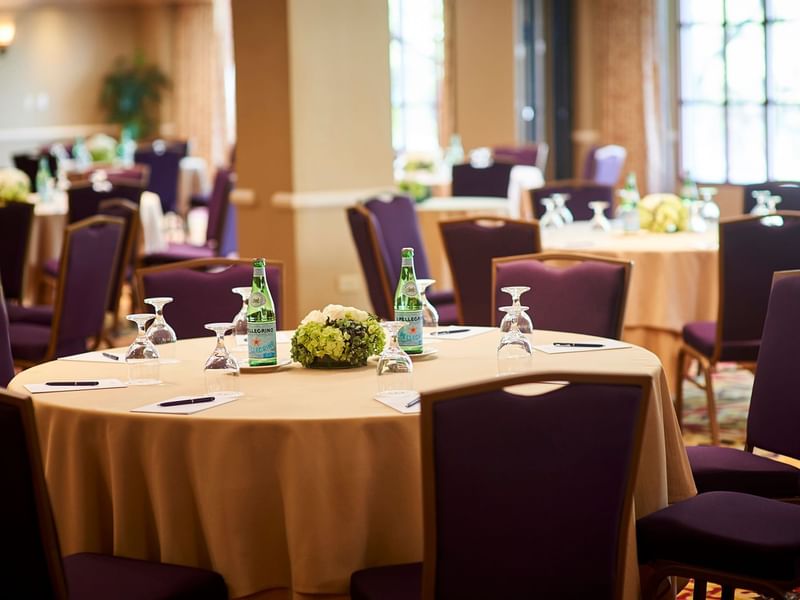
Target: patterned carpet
x=732, y=390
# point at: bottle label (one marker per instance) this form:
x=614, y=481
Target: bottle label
x=257, y=299
x=261, y=343
x=259, y=271
x=407, y=261
x=410, y=289
x=410, y=336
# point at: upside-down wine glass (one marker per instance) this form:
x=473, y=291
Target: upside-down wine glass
x=524, y=322
x=560, y=200
x=760, y=209
x=515, y=351
x=142, y=356
x=221, y=371
x=710, y=209
x=240, y=320
x=394, y=365
x=160, y=333
x=430, y=316
x=599, y=220
x=550, y=219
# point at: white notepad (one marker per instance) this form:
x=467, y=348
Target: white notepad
x=457, y=334
x=397, y=399
x=607, y=345
x=97, y=356
x=102, y=384
x=188, y=409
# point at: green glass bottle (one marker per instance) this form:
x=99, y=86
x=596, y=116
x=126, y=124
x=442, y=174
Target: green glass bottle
x=689, y=190
x=43, y=180
x=261, y=337
x=408, y=305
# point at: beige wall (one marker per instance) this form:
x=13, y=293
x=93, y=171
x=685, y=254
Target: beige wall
x=484, y=72
x=341, y=111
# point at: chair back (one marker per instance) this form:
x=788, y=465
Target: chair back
x=128, y=212
x=29, y=545
x=89, y=262
x=219, y=235
x=6, y=358
x=201, y=291
x=367, y=237
x=16, y=223
x=498, y=523
x=470, y=245
x=751, y=249
x=580, y=194
x=29, y=164
x=399, y=228
x=603, y=165
x=84, y=198
x=530, y=154
x=587, y=296
x=774, y=409
x=164, y=166
x=486, y=181
x=789, y=191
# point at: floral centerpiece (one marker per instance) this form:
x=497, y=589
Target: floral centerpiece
x=15, y=186
x=337, y=337
x=102, y=147
x=663, y=213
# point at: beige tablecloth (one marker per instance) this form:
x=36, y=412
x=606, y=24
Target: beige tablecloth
x=297, y=484
x=674, y=281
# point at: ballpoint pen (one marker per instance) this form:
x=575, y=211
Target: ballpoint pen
x=75, y=383
x=111, y=356
x=577, y=345
x=413, y=402
x=187, y=401
x=449, y=331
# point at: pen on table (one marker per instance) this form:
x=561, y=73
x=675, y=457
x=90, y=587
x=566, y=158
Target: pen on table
x=187, y=401
x=413, y=402
x=72, y=383
x=449, y=331
x=111, y=356
x=577, y=345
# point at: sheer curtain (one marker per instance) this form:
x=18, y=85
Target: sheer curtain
x=203, y=84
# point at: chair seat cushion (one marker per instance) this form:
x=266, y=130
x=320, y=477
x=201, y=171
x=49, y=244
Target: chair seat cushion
x=395, y=582
x=40, y=315
x=100, y=577
x=177, y=252
x=702, y=336
x=29, y=341
x=732, y=470
x=726, y=531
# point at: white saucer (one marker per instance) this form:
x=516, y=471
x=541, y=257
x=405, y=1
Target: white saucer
x=245, y=368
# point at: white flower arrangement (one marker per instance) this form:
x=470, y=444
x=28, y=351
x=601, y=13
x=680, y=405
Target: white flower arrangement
x=102, y=147
x=15, y=186
x=337, y=336
x=663, y=213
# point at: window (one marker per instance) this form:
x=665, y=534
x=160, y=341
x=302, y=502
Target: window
x=740, y=90
x=416, y=56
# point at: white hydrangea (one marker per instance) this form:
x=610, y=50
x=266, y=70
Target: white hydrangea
x=315, y=316
x=14, y=185
x=335, y=312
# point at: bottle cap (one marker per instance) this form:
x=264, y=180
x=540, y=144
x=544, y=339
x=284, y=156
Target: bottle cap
x=405, y=250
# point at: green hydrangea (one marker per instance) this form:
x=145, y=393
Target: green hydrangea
x=343, y=340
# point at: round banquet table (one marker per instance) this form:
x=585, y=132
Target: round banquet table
x=304, y=479
x=673, y=282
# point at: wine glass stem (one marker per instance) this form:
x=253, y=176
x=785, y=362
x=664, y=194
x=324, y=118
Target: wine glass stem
x=220, y=340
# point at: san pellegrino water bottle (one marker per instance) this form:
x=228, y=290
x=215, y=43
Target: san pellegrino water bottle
x=261, y=339
x=43, y=180
x=629, y=204
x=408, y=305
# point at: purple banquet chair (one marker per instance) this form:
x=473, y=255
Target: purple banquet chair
x=470, y=245
x=29, y=164
x=90, y=259
x=789, y=191
x=497, y=523
x=751, y=249
x=482, y=181
x=32, y=563
x=388, y=227
x=734, y=539
x=6, y=360
x=16, y=223
x=164, y=163
x=220, y=230
x=774, y=414
x=84, y=198
x=201, y=291
x=580, y=195
x=603, y=164
x=587, y=296
x=362, y=228
x=534, y=155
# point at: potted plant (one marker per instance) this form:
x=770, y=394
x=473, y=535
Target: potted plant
x=131, y=94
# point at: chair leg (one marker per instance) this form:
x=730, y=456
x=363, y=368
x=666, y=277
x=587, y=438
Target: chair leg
x=699, y=590
x=680, y=376
x=708, y=371
x=728, y=592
